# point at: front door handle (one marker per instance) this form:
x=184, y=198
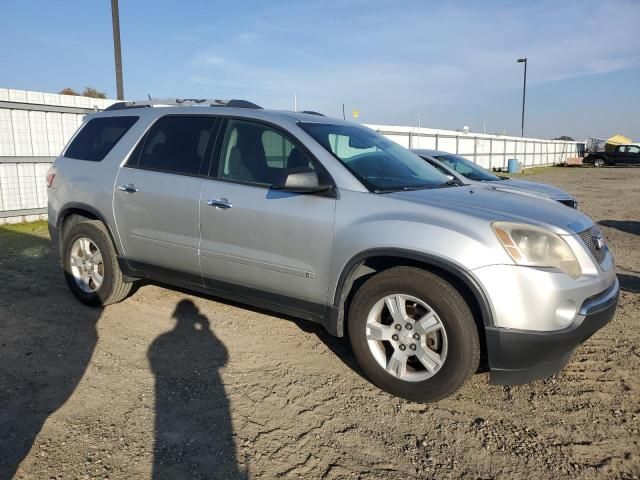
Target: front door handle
x=128, y=188
x=219, y=203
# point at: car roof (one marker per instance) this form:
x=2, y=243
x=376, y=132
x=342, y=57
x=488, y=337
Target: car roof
x=276, y=116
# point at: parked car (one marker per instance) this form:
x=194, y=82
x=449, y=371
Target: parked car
x=328, y=221
x=620, y=155
x=470, y=173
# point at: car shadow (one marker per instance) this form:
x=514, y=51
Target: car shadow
x=194, y=435
x=629, y=283
x=47, y=339
x=339, y=346
x=628, y=226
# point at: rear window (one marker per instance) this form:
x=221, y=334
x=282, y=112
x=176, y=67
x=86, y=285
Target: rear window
x=98, y=137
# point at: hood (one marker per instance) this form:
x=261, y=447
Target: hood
x=500, y=205
x=532, y=188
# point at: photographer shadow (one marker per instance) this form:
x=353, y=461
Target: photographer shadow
x=193, y=431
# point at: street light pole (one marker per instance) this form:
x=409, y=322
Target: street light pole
x=115, y=18
x=524, y=92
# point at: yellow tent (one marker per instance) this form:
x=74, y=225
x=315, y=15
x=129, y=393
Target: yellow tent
x=618, y=140
x=610, y=146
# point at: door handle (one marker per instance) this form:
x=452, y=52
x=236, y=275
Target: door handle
x=219, y=203
x=128, y=188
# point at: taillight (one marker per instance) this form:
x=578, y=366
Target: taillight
x=51, y=175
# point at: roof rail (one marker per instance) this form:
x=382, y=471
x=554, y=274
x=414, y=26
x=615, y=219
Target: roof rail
x=177, y=102
x=311, y=112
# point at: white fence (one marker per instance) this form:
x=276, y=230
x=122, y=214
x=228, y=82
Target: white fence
x=489, y=151
x=35, y=126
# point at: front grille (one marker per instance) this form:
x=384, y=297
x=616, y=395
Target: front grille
x=569, y=203
x=588, y=237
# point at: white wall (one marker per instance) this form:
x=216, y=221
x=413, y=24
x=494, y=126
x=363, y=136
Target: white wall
x=32, y=129
x=489, y=151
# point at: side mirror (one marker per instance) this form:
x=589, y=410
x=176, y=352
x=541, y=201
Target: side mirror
x=300, y=181
x=450, y=178
x=361, y=143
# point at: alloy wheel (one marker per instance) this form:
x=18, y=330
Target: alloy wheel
x=87, y=265
x=406, y=337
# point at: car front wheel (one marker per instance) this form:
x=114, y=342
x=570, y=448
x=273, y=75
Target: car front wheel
x=413, y=334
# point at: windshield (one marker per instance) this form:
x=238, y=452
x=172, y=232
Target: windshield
x=467, y=168
x=380, y=164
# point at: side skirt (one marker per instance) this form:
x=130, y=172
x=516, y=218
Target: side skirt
x=325, y=315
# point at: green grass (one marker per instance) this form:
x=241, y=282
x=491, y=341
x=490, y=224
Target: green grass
x=531, y=172
x=29, y=239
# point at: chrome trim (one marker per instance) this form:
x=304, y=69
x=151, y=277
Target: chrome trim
x=601, y=301
x=128, y=188
x=219, y=203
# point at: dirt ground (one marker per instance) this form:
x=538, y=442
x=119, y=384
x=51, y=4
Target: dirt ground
x=171, y=385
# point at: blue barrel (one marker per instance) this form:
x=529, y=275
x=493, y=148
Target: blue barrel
x=513, y=166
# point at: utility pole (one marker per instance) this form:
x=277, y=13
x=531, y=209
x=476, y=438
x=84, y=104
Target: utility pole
x=115, y=18
x=343, y=116
x=524, y=92
x=295, y=102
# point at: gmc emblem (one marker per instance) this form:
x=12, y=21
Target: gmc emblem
x=599, y=241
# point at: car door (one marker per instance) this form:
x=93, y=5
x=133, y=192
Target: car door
x=632, y=155
x=157, y=194
x=255, y=237
x=619, y=156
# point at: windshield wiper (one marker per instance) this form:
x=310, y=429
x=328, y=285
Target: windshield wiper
x=450, y=183
x=406, y=188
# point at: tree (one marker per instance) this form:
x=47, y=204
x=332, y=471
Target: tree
x=68, y=91
x=565, y=138
x=93, y=93
x=87, y=92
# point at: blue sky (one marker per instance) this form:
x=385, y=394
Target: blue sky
x=451, y=62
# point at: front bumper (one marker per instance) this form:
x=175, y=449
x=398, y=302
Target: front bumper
x=521, y=356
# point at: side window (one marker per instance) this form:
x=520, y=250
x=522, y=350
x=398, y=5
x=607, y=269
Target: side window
x=256, y=153
x=176, y=144
x=633, y=149
x=98, y=137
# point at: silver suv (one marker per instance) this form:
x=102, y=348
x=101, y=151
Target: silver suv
x=328, y=221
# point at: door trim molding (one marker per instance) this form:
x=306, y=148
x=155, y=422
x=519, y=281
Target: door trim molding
x=315, y=312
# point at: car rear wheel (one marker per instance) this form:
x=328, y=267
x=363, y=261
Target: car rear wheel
x=90, y=265
x=413, y=334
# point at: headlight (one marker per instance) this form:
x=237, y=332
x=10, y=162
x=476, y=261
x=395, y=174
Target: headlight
x=536, y=247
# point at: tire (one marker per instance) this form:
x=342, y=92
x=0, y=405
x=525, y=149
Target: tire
x=459, y=343
x=112, y=288
x=598, y=162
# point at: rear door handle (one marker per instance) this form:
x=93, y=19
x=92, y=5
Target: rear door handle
x=128, y=188
x=219, y=203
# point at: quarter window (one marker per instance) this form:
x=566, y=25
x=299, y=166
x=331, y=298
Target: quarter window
x=256, y=153
x=176, y=144
x=98, y=137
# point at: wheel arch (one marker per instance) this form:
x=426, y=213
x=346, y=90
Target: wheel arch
x=369, y=262
x=83, y=211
